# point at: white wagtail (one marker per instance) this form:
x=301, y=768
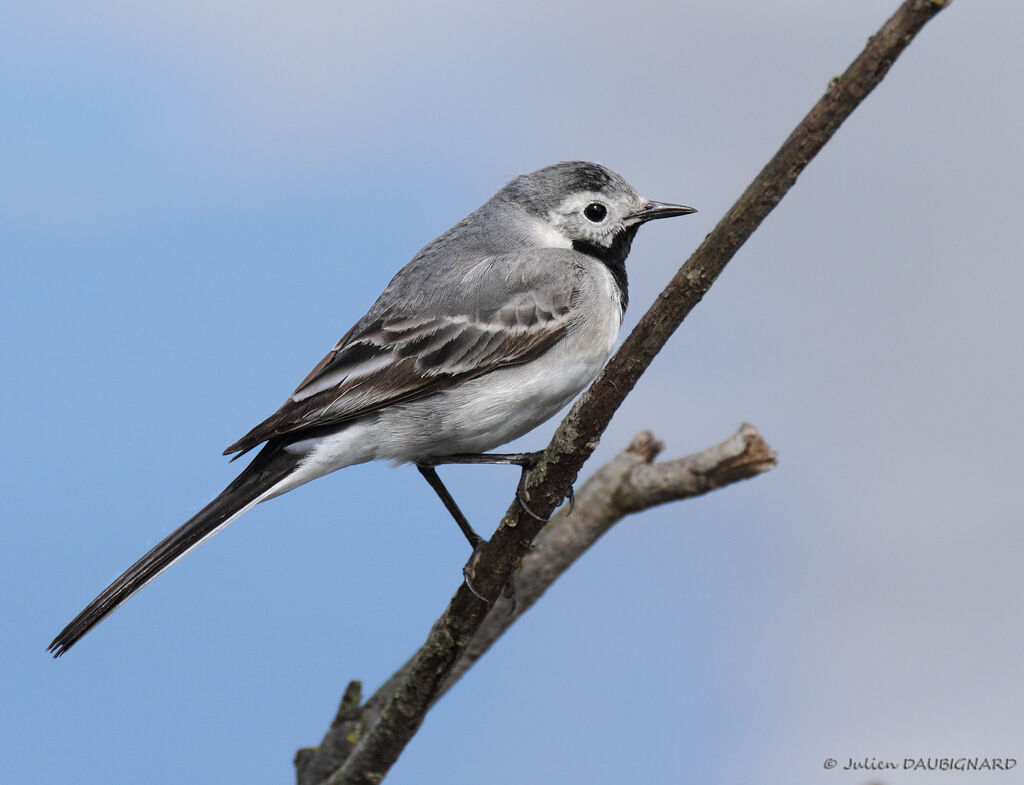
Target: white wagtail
x=489, y=331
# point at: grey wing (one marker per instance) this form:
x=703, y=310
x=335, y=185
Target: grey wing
x=498, y=312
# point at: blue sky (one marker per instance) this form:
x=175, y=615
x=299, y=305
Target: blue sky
x=198, y=200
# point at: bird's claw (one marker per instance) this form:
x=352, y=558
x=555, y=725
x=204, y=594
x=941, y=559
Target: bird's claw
x=527, y=510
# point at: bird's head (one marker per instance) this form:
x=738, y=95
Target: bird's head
x=583, y=205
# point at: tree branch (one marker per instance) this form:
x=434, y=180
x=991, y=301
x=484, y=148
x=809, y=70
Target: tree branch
x=629, y=483
x=489, y=570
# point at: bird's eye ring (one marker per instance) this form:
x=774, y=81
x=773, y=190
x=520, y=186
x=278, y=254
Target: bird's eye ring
x=595, y=212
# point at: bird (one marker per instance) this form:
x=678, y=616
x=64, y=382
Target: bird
x=487, y=332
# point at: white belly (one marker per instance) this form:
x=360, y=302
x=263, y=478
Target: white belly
x=484, y=413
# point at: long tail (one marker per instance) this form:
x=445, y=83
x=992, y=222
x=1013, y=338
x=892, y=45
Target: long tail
x=269, y=467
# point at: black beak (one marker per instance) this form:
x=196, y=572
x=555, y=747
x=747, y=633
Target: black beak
x=654, y=210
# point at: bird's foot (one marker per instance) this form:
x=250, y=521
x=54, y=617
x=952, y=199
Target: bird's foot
x=466, y=576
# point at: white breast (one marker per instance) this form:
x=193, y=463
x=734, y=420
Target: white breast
x=610, y=291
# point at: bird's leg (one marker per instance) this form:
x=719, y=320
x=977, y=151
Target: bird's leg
x=475, y=540
x=524, y=460
x=430, y=475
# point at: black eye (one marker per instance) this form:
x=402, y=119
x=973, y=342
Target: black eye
x=595, y=211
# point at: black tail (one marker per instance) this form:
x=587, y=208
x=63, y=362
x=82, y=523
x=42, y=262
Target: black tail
x=270, y=466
